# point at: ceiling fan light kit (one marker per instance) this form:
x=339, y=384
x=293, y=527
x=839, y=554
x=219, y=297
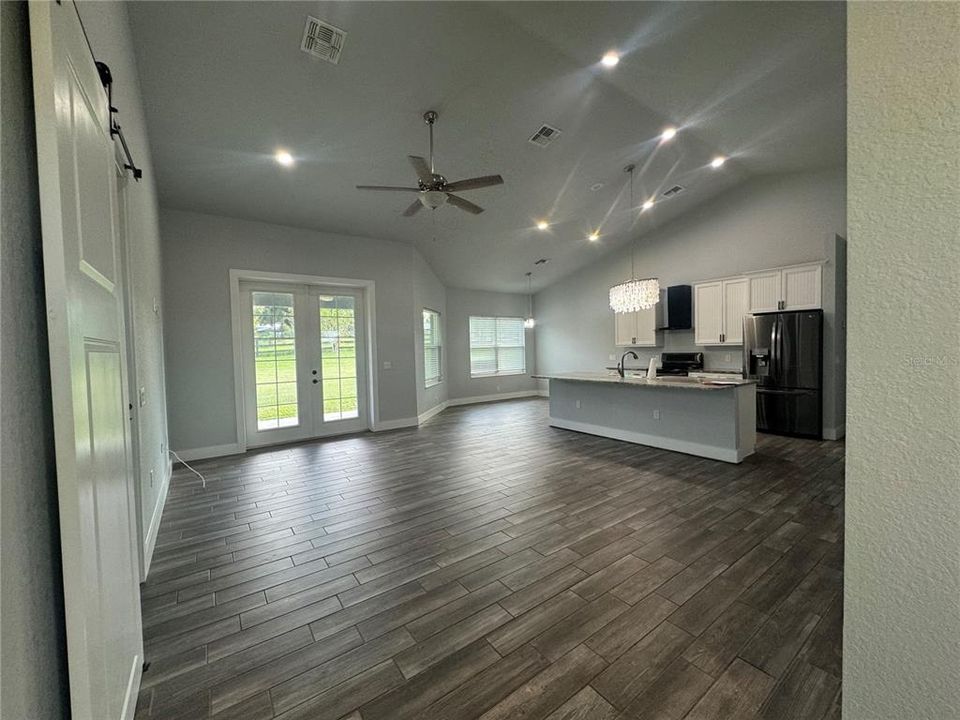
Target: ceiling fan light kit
x=433, y=188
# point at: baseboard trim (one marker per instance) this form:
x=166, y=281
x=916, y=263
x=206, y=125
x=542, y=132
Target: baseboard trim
x=664, y=443
x=432, y=412
x=150, y=541
x=452, y=402
x=214, y=451
x=394, y=424
x=835, y=433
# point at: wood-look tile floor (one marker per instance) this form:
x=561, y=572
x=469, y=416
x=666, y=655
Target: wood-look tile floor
x=488, y=566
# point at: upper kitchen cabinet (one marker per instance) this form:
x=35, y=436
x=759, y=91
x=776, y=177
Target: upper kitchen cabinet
x=791, y=288
x=638, y=329
x=718, y=308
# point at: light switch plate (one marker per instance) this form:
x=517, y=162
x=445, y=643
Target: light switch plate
x=142, y=396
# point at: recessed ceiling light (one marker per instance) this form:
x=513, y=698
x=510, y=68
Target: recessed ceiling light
x=542, y=225
x=647, y=205
x=610, y=59
x=284, y=158
x=718, y=161
x=668, y=134
x=594, y=236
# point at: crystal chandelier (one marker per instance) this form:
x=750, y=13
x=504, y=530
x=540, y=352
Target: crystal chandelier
x=634, y=294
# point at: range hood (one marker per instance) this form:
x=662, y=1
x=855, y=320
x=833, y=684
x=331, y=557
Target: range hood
x=677, y=303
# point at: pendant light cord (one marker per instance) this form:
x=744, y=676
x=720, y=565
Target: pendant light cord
x=633, y=248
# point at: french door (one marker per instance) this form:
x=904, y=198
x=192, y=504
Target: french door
x=304, y=357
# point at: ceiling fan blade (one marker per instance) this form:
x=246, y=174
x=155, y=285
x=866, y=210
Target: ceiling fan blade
x=413, y=209
x=464, y=204
x=474, y=183
x=387, y=187
x=422, y=169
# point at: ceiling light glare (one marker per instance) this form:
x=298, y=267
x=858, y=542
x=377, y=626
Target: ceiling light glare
x=668, y=134
x=610, y=59
x=718, y=161
x=542, y=225
x=647, y=205
x=284, y=158
x=594, y=236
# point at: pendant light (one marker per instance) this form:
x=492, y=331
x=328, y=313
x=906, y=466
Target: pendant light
x=529, y=322
x=634, y=294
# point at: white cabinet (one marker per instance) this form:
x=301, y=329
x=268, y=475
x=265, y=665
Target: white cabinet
x=638, y=329
x=801, y=287
x=791, y=288
x=735, y=306
x=707, y=313
x=718, y=309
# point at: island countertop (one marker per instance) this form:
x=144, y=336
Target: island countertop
x=679, y=382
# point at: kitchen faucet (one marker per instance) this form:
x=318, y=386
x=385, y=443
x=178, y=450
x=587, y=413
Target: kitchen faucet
x=620, y=364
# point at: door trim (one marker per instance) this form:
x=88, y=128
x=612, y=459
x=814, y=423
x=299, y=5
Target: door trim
x=367, y=288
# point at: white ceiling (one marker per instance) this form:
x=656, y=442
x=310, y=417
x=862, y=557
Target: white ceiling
x=226, y=85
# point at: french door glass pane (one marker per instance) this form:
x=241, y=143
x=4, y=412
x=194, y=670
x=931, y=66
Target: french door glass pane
x=338, y=354
x=275, y=354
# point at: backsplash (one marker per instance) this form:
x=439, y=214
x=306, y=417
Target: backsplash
x=682, y=341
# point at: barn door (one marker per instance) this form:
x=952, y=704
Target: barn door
x=78, y=203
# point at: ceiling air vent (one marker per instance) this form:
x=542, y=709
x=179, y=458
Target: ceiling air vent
x=545, y=135
x=323, y=40
x=675, y=190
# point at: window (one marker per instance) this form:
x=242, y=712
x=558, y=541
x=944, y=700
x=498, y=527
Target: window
x=497, y=346
x=275, y=354
x=431, y=348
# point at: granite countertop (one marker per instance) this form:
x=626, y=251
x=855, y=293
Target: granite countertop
x=681, y=383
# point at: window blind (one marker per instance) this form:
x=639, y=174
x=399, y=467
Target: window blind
x=431, y=347
x=497, y=346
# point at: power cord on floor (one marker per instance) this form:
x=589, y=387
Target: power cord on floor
x=188, y=467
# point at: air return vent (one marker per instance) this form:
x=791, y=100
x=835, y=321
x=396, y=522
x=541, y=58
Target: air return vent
x=323, y=40
x=675, y=190
x=545, y=135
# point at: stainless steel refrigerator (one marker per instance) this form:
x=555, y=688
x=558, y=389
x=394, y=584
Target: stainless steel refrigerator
x=783, y=352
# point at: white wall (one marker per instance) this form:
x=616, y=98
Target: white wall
x=767, y=222
x=33, y=681
x=902, y=569
x=198, y=253
x=108, y=29
x=429, y=293
x=461, y=304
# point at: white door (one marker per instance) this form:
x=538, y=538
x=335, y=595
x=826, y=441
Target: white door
x=78, y=203
x=801, y=287
x=303, y=359
x=708, y=313
x=735, y=294
x=765, y=293
x=625, y=329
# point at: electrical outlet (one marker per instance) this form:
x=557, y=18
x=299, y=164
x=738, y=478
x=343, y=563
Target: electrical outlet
x=727, y=357
x=498, y=388
x=578, y=404
x=387, y=365
x=611, y=357
x=142, y=396
x=156, y=307
x=656, y=414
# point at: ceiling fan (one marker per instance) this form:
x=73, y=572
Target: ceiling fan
x=433, y=188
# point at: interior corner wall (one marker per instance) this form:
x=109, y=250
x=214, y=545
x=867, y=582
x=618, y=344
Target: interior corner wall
x=429, y=293
x=767, y=222
x=901, y=653
x=199, y=251
x=461, y=304
x=33, y=681
x=108, y=30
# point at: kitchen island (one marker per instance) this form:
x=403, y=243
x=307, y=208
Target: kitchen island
x=711, y=418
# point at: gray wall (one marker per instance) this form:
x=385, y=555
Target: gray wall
x=902, y=568
x=198, y=253
x=767, y=222
x=33, y=680
x=108, y=29
x=461, y=304
x=429, y=293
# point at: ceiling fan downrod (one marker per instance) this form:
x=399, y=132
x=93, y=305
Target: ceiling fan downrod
x=430, y=117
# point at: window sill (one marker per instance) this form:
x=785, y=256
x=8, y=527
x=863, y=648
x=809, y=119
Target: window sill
x=498, y=374
x=428, y=384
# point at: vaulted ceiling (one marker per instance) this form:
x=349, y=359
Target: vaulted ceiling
x=226, y=85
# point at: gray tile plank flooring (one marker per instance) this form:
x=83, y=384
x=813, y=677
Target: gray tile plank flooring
x=488, y=566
